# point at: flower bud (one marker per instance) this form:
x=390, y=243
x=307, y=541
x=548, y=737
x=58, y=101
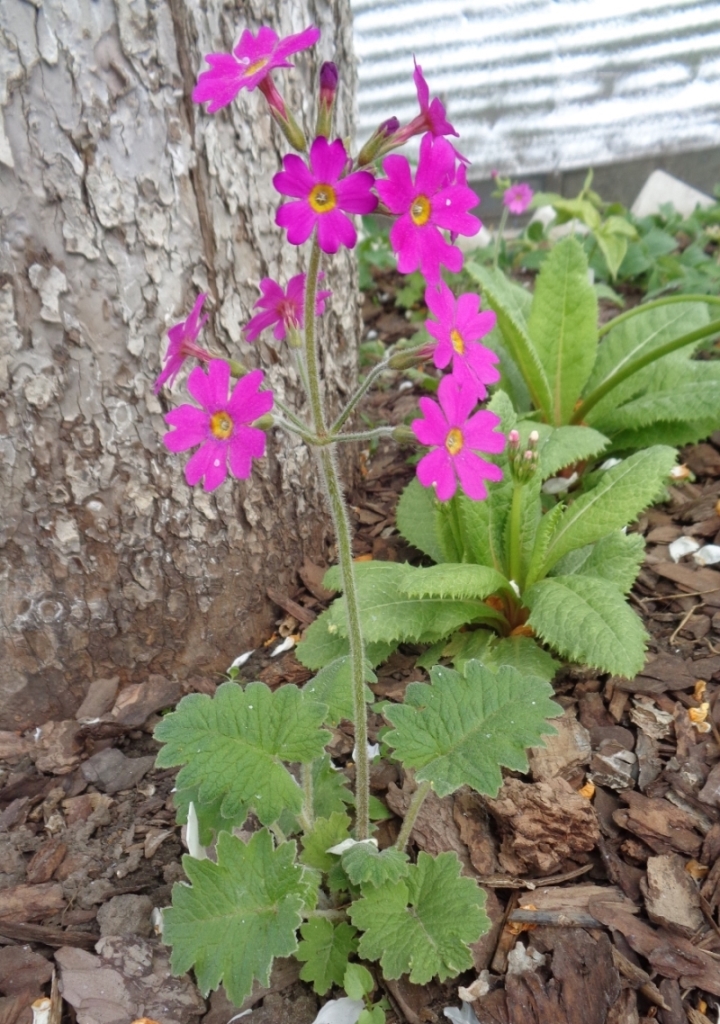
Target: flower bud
x=514, y=439
x=282, y=116
x=237, y=369
x=378, y=141
x=328, y=89
x=533, y=438
x=265, y=422
x=404, y=435
x=405, y=359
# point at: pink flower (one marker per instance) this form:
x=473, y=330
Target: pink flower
x=221, y=426
x=458, y=326
x=248, y=65
x=517, y=198
x=322, y=196
x=456, y=440
x=284, y=309
x=182, y=345
x=435, y=200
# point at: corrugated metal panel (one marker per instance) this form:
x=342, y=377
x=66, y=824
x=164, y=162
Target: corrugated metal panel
x=547, y=85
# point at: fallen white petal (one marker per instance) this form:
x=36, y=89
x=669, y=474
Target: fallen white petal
x=41, y=1010
x=242, y=658
x=681, y=547
x=340, y=1011
x=287, y=645
x=708, y=555
x=465, y=1015
x=157, y=921
x=373, y=750
x=346, y=844
x=192, y=835
x=559, y=484
x=245, y=1013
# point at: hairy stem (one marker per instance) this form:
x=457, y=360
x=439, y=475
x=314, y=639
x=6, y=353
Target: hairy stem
x=637, y=364
x=498, y=236
x=307, y=784
x=311, y=349
x=372, y=376
x=411, y=815
x=366, y=435
x=515, y=554
x=338, y=510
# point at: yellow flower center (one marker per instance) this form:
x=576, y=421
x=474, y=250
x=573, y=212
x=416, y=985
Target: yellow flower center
x=454, y=441
x=323, y=198
x=420, y=210
x=252, y=69
x=457, y=341
x=221, y=426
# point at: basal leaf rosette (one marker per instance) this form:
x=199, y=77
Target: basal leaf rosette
x=233, y=746
x=462, y=728
x=422, y=925
x=236, y=916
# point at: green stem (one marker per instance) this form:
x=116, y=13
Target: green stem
x=343, y=534
x=638, y=364
x=669, y=300
x=302, y=433
x=289, y=414
x=372, y=376
x=498, y=236
x=514, y=539
x=311, y=349
x=411, y=815
x=365, y=435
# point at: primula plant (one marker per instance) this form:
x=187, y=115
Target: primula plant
x=311, y=880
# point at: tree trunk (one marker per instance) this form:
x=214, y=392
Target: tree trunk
x=120, y=201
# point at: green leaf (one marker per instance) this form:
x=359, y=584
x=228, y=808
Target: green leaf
x=613, y=247
x=586, y=620
x=510, y=304
x=326, y=832
x=464, y=647
x=330, y=788
x=461, y=729
x=236, y=916
x=365, y=864
x=639, y=335
x=673, y=434
x=463, y=581
x=372, y=1015
x=333, y=686
x=672, y=389
x=523, y=654
x=325, y=949
x=233, y=746
x=548, y=524
x=377, y=810
x=578, y=209
x=417, y=519
x=388, y=614
x=422, y=925
x=616, y=558
x=358, y=981
x=621, y=494
x=563, y=326
x=566, y=446
x=210, y=820
x=321, y=645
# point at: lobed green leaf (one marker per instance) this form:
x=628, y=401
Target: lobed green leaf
x=332, y=686
x=462, y=728
x=324, y=950
x=326, y=832
x=365, y=864
x=422, y=924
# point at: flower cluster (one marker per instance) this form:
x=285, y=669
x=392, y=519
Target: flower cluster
x=323, y=188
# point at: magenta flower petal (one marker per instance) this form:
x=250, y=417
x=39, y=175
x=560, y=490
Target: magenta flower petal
x=354, y=193
x=296, y=180
x=327, y=159
x=518, y=197
x=282, y=309
x=433, y=429
x=300, y=41
x=457, y=326
x=435, y=470
x=481, y=433
x=469, y=469
x=334, y=230
x=395, y=188
x=436, y=165
x=222, y=427
x=298, y=218
x=183, y=345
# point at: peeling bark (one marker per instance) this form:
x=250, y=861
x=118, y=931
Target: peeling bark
x=119, y=201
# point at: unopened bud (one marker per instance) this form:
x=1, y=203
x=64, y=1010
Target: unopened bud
x=328, y=89
x=533, y=438
x=404, y=360
x=265, y=422
x=404, y=435
x=378, y=141
x=528, y=456
x=294, y=338
x=514, y=439
x=237, y=369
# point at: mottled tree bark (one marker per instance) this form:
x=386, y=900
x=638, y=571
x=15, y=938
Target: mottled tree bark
x=120, y=200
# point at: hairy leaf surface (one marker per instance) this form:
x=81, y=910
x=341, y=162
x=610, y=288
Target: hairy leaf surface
x=233, y=746
x=326, y=832
x=332, y=686
x=616, y=558
x=462, y=728
x=365, y=864
x=586, y=620
x=236, y=916
x=565, y=446
x=422, y=924
x=417, y=519
x=463, y=581
x=563, y=325
x=324, y=950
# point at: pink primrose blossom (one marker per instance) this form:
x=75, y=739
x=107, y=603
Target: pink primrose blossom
x=458, y=325
x=456, y=438
x=435, y=200
x=432, y=117
x=284, y=309
x=322, y=196
x=517, y=198
x=182, y=338
x=248, y=65
x=221, y=427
